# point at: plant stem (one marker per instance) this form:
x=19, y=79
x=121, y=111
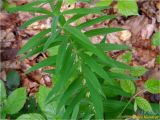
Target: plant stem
x=130, y=102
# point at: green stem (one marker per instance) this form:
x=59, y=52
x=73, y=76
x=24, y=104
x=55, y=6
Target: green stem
x=130, y=102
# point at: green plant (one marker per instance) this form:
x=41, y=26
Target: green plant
x=156, y=39
x=86, y=85
x=13, y=103
x=125, y=7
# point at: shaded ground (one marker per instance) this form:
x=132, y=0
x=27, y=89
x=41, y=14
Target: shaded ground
x=138, y=36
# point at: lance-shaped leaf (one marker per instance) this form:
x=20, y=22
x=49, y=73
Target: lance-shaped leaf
x=74, y=18
x=84, y=41
x=77, y=99
x=32, y=20
x=156, y=39
x=75, y=111
x=47, y=62
x=96, y=99
x=101, y=31
x=90, y=77
x=25, y=8
x=54, y=33
x=113, y=75
x=97, y=10
x=111, y=47
x=95, y=21
x=63, y=74
x=95, y=67
x=33, y=41
x=73, y=88
x=58, y=7
x=29, y=5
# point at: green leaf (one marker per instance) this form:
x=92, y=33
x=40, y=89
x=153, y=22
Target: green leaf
x=111, y=47
x=70, y=1
x=73, y=88
x=95, y=21
x=101, y=31
x=32, y=20
x=128, y=7
x=2, y=91
x=30, y=116
x=75, y=111
x=127, y=57
x=96, y=99
x=47, y=62
x=143, y=104
x=122, y=76
x=57, y=8
x=13, y=79
x=74, y=18
x=85, y=42
x=95, y=67
x=63, y=74
x=29, y=9
x=152, y=86
x=15, y=101
x=113, y=90
x=138, y=71
x=54, y=32
x=128, y=86
x=48, y=109
x=158, y=59
x=104, y=2
x=156, y=39
x=92, y=10
x=91, y=78
x=73, y=103
x=33, y=41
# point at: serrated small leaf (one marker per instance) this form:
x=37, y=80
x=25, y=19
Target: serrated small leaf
x=143, y=104
x=156, y=39
x=138, y=71
x=152, y=86
x=15, y=101
x=127, y=7
x=128, y=86
x=30, y=116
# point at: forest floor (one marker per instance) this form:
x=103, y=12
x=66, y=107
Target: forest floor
x=138, y=34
